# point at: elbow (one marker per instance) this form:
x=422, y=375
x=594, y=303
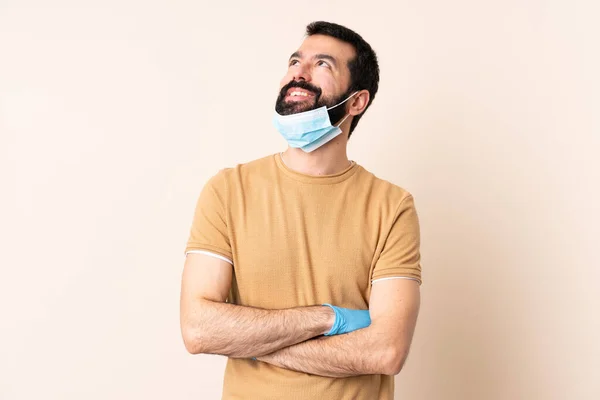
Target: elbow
x=194, y=332
x=394, y=361
x=192, y=341
x=192, y=347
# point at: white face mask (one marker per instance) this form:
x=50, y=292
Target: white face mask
x=309, y=130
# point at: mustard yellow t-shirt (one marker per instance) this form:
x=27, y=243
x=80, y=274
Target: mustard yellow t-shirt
x=302, y=240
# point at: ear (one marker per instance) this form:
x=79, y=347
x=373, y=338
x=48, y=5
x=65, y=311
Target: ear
x=359, y=102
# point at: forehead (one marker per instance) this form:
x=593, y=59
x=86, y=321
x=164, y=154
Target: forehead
x=322, y=44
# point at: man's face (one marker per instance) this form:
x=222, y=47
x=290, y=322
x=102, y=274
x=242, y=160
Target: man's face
x=317, y=75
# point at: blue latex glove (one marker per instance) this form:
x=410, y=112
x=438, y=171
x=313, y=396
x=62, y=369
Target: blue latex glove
x=348, y=320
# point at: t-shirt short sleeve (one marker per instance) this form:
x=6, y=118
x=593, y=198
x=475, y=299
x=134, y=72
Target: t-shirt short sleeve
x=209, y=231
x=400, y=257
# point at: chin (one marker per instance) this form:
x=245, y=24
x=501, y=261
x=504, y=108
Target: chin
x=293, y=108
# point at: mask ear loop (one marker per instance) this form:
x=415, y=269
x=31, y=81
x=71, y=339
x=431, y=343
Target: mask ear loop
x=349, y=97
x=342, y=121
x=347, y=115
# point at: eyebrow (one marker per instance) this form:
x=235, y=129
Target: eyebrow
x=321, y=56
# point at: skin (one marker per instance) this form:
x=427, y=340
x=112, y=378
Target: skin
x=292, y=338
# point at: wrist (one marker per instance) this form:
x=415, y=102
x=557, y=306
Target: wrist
x=329, y=319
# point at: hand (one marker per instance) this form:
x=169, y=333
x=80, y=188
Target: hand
x=348, y=320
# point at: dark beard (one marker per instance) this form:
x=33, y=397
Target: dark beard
x=283, y=108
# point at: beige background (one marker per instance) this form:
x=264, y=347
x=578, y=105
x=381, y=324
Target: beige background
x=113, y=114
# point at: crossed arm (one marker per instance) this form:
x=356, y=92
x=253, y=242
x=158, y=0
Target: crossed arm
x=381, y=348
x=209, y=325
x=281, y=337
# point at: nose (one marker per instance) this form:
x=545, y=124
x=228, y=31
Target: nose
x=302, y=72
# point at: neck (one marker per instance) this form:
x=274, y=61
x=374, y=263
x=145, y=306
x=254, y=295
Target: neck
x=328, y=159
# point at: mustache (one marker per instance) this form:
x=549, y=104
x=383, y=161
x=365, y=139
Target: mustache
x=302, y=85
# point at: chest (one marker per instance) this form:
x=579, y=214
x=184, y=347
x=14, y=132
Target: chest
x=295, y=249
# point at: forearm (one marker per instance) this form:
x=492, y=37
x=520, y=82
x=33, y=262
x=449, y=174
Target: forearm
x=361, y=352
x=244, y=332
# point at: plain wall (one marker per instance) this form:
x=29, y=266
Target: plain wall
x=113, y=114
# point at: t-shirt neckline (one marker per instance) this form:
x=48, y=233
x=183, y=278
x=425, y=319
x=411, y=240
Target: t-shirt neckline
x=316, y=179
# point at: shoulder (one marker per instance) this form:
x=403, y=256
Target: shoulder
x=256, y=167
x=390, y=192
x=244, y=171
